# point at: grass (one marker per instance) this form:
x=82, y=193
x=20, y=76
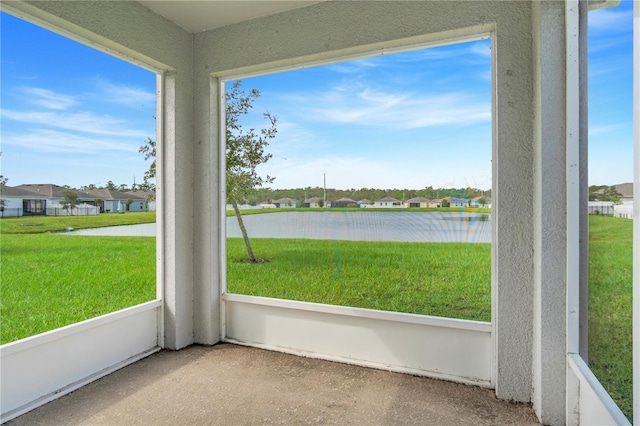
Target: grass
x=441, y=279
x=50, y=280
x=610, y=306
x=40, y=224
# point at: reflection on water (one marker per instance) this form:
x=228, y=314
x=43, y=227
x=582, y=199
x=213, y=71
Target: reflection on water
x=355, y=226
x=367, y=226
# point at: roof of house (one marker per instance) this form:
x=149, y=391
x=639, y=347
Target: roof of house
x=457, y=200
x=8, y=191
x=364, y=201
x=284, y=200
x=50, y=190
x=388, y=199
x=147, y=195
x=312, y=200
x=345, y=200
x=112, y=194
x=418, y=200
x=625, y=189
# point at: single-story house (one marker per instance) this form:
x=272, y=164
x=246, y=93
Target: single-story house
x=313, y=202
x=387, y=202
x=456, y=202
x=16, y=201
x=344, y=202
x=476, y=202
x=285, y=202
x=110, y=200
x=417, y=202
x=436, y=202
x=44, y=199
x=365, y=203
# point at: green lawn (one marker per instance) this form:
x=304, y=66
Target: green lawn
x=49, y=280
x=610, y=308
x=442, y=279
x=41, y=224
x=52, y=280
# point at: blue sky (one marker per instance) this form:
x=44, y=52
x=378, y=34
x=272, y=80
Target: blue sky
x=72, y=115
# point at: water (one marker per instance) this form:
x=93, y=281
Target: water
x=355, y=226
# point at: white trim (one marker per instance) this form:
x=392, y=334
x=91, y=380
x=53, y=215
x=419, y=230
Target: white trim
x=636, y=213
x=222, y=206
x=41, y=368
x=573, y=174
x=74, y=386
x=595, y=404
x=160, y=210
x=428, y=346
x=72, y=329
x=459, y=324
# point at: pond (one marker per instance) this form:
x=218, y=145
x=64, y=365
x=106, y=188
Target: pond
x=355, y=226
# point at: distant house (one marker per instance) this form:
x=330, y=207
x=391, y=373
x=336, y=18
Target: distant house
x=313, y=202
x=110, y=200
x=435, y=203
x=417, y=202
x=14, y=201
x=475, y=202
x=266, y=205
x=44, y=199
x=456, y=202
x=344, y=202
x=364, y=203
x=285, y=202
x=387, y=202
x=148, y=196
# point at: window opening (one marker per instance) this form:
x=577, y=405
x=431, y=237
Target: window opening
x=73, y=120
x=382, y=190
x=611, y=200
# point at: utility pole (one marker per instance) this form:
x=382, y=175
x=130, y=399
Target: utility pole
x=324, y=185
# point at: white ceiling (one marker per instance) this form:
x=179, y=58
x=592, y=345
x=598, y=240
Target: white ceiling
x=197, y=16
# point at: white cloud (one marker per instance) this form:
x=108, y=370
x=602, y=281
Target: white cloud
x=610, y=20
x=605, y=129
x=126, y=95
x=85, y=122
x=52, y=141
x=48, y=98
x=370, y=107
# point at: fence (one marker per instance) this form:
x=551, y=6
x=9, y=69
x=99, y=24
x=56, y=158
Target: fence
x=84, y=210
x=52, y=211
x=601, y=210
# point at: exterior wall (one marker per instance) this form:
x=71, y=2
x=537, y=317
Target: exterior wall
x=549, y=347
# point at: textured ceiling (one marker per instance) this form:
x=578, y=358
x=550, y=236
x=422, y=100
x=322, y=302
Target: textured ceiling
x=196, y=16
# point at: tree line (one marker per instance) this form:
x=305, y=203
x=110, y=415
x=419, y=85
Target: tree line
x=265, y=195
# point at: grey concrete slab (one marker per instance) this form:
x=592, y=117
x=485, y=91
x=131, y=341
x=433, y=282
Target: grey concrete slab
x=229, y=384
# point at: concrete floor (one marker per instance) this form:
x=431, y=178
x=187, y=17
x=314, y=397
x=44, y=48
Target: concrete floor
x=228, y=384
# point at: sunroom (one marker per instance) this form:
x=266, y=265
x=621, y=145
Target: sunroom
x=531, y=351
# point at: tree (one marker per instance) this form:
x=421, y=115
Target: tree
x=70, y=200
x=149, y=151
x=3, y=180
x=245, y=152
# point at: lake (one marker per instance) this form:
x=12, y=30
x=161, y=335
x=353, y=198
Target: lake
x=355, y=226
